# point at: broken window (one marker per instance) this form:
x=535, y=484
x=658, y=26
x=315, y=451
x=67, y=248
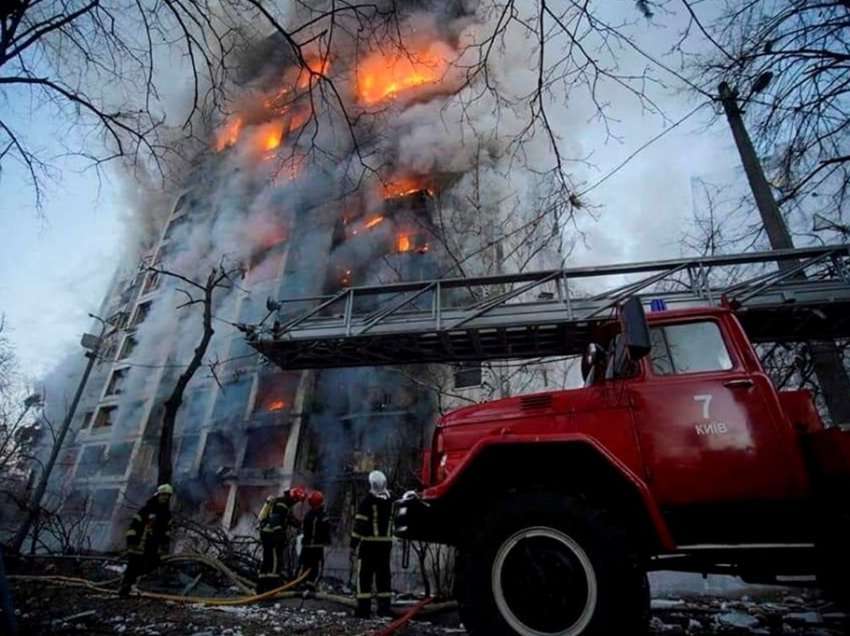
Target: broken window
x=187, y=453
x=249, y=501
x=103, y=503
x=276, y=392
x=231, y=401
x=117, y=458
x=193, y=411
x=219, y=454
x=127, y=347
x=117, y=381
x=105, y=416
x=107, y=351
x=85, y=419
x=90, y=461
x=265, y=448
x=142, y=312
x=467, y=374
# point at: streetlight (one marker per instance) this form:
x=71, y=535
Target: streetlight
x=91, y=344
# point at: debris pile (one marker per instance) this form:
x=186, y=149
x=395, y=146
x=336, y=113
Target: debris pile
x=791, y=613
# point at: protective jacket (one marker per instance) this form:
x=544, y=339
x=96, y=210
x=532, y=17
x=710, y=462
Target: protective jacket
x=150, y=528
x=317, y=531
x=373, y=521
x=276, y=515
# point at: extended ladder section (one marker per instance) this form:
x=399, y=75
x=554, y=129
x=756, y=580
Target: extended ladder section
x=782, y=295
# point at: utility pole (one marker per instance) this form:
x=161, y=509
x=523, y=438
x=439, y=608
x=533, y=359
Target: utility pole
x=826, y=357
x=92, y=345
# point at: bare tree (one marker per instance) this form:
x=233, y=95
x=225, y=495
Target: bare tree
x=197, y=293
x=789, y=62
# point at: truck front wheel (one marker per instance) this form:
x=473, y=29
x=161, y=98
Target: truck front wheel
x=551, y=566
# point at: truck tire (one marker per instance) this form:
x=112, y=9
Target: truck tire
x=550, y=565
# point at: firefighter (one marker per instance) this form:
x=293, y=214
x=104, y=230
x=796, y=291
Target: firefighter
x=148, y=537
x=275, y=518
x=314, y=539
x=372, y=543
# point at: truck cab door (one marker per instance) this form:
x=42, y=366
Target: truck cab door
x=708, y=432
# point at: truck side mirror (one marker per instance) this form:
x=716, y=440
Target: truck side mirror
x=592, y=360
x=635, y=329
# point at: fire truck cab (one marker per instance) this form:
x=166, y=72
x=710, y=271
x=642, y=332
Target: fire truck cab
x=678, y=453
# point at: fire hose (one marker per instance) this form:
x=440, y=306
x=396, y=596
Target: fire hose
x=402, y=620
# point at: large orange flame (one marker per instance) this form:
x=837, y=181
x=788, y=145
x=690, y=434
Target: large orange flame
x=381, y=77
x=402, y=186
x=373, y=222
x=404, y=244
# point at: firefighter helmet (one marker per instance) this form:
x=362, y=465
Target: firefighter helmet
x=164, y=489
x=316, y=499
x=297, y=493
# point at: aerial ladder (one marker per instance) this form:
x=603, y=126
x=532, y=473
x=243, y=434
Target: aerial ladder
x=553, y=313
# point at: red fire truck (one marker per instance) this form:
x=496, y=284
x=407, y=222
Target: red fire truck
x=678, y=454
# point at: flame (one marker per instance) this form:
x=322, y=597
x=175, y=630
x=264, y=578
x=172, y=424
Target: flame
x=403, y=186
x=228, y=134
x=381, y=77
x=277, y=405
x=316, y=64
x=403, y=243
x=373, y=222
x=268, y=137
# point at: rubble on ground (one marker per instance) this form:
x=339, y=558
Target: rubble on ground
x=46, y=607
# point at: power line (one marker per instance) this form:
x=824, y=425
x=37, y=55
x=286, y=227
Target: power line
x=641, y=148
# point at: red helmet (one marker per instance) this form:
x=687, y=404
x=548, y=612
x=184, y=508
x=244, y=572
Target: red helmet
x=297, y=493
x=316, y=499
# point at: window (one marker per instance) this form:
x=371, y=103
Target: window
x=116, y=459
x=103, y=503
x=127, y=347
x=90, y=461
x=105, y=417
x=142, y=312
x=467, y=374
x=186, y=454
x=116, y=382
x=688, y=348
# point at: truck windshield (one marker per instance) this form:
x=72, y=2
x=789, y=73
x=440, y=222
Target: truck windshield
x=688, y=348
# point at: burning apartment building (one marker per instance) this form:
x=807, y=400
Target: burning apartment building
x=345, y=164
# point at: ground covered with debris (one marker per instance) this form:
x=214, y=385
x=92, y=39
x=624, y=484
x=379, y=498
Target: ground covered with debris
x=46, y=606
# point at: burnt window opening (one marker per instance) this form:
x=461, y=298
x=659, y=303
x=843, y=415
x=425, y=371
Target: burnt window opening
x=117, y=382
x=276, y=392
x=219, y=455
x=107, y=351
x=85, y=419
x=186, y=454
x=467, y=374
x=118, y=319
x=141, y=314
x=103, y=503
x=265, y=448
x=249, y=501
x=116, y=459
x=127, y=347
x=90, y=461
x=105, y=417
x=231, y=401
